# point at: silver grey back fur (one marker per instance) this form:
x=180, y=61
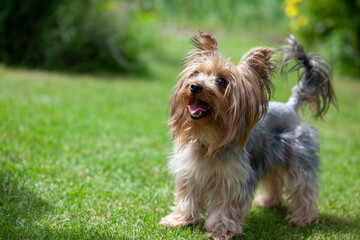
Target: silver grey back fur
x=281, y=136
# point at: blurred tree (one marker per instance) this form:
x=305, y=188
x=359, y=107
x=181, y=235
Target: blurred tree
x=108, y=35
x=23, y=25
x=84, y=35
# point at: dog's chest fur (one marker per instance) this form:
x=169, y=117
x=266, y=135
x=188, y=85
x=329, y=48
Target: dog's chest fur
x=226, y=169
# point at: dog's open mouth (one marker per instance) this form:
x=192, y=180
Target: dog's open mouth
x=198, y=109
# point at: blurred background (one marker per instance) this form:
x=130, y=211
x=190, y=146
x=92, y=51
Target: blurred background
x=122, y=36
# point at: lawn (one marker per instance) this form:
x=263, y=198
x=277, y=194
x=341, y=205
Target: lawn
x=85, y=157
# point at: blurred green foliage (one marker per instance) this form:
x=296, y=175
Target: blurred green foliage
x=98, y=34
x=24, y=26
x=335, y=25
x=83, y=35
x=225, y=14
x=103, y=35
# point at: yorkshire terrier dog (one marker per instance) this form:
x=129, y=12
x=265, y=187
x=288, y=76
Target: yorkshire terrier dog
x=228, y=137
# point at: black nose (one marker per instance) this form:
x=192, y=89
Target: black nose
x=196, y=88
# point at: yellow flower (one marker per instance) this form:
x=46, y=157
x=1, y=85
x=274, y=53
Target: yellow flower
x=291, y=10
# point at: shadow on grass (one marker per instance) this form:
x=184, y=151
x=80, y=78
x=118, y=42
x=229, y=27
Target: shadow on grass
x=271, y=224
x=25, y=215
x=19, y=208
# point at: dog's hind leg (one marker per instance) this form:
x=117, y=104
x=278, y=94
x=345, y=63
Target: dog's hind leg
x=302, y=187
x=301, y=175
x=271, y=189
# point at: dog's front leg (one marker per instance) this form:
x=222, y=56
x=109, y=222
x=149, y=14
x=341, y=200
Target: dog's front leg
x=187, y=204
x=226, y=215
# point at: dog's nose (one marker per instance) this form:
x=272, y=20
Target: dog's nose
x=196, y=88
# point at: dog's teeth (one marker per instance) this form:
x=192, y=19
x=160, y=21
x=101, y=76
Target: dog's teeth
x=197, y=115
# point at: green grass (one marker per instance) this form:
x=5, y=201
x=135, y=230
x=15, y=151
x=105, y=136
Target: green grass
x=85, y=157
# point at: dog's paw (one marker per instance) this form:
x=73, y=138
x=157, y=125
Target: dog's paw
x=220, y=237
x=176, y=219
x=224, y=232
x=263, y=201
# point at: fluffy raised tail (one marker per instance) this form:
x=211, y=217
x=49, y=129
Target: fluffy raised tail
x=314, y=86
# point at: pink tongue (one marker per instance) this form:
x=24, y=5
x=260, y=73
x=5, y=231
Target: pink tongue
x=197, y=107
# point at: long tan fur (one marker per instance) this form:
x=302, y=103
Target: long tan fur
x=236, y=110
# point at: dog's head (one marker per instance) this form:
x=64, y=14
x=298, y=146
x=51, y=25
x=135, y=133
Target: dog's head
x=215, y=101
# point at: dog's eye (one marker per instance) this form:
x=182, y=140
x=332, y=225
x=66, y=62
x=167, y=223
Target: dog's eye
x=221, y=82
x=196, y=73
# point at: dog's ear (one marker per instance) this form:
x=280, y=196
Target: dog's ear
x=205, y=42
x=260, y=61
x=253, y=90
